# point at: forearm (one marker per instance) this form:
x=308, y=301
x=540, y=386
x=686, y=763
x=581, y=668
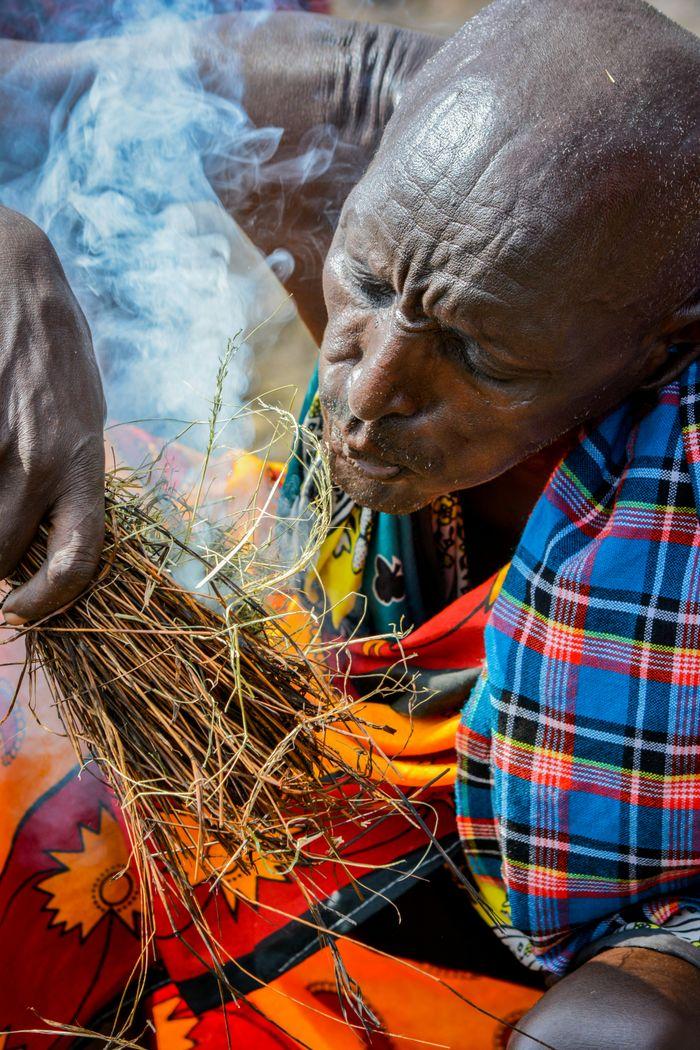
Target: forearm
x=331, y=87
x=297, y=71
x=301, y=70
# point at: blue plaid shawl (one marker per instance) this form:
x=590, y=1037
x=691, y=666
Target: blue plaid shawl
x=579, y=784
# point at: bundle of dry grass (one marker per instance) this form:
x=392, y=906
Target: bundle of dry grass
x=207, y=719
x=204, y=716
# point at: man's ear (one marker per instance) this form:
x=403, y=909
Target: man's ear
x=676, y=345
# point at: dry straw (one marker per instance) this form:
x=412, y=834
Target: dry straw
x=205, y=714
x=198, y=705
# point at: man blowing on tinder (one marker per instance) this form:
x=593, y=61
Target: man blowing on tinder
x=511, y=289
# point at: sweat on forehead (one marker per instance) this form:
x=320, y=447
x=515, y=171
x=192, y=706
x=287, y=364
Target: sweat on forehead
x=552, y=137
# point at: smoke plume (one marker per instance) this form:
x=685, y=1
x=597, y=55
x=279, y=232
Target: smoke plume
x=120, y=183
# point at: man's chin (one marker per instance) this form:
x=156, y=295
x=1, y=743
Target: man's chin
x=397, y=496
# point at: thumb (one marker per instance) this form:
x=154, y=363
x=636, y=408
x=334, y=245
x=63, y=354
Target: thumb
x=76, y=535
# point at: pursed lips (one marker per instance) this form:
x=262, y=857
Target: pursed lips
x=376, y=471
x=371, y=466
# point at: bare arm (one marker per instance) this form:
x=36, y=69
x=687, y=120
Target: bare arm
x=306, y=73
x=51, y=421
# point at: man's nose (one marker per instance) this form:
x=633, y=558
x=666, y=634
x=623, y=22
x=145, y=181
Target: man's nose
x=385, y=380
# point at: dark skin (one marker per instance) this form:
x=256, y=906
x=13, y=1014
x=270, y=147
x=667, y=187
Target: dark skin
x=491, y=282
x=517, y=259
x=52, y=451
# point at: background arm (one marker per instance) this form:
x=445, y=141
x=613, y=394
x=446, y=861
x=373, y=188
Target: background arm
x=329, y=85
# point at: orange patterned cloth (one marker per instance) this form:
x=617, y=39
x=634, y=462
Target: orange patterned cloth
x=70, y=912
x=417, y=1008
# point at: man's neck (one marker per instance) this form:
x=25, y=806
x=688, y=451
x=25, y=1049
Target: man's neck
x=496, y=513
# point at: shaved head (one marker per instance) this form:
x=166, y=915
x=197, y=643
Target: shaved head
x=576, y=124
x=523, y=250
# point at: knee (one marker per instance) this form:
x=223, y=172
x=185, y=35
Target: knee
x=575, y=1029
x=581, y=1013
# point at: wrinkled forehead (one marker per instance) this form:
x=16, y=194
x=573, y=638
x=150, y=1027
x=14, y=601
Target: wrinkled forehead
x=448, y=210
x=538, y=181
x=436, y=165
x=495, y=207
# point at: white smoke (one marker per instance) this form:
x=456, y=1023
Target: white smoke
x=164, y=275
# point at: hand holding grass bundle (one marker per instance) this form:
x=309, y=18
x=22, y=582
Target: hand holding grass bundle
x=205, y=716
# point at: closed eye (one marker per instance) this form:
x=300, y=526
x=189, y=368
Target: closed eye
x=472, y=357
x=372, y=288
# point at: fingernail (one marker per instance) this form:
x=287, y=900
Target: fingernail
x=13, y=619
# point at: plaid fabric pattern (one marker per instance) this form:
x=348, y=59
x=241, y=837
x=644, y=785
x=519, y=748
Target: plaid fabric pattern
x=579, y=775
